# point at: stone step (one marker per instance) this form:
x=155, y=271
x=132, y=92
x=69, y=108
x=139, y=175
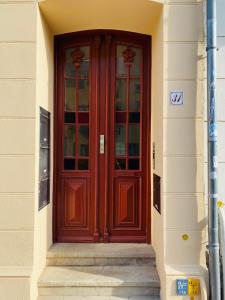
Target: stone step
x=97, y=298
x=64, y=254
x=122, y=281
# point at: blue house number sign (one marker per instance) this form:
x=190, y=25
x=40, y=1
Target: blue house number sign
x=177, y=97
x=182, y=287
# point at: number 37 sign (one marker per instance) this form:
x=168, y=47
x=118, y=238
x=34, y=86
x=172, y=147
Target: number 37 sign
x=177, y=98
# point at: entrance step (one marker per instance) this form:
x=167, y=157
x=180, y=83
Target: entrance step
x=97, y=298
x=100, y=254
x=99, y=281
x=100, y=272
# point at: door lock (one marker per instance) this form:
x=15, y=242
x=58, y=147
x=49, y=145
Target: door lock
x=102, y=144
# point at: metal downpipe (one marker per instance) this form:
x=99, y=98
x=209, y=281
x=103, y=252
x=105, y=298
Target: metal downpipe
x=214, y=263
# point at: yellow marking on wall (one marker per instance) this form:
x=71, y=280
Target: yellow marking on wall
x=220, y=203
x=185, y=237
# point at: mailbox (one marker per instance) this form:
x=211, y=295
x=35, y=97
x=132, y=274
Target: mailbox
x=157, y=192
x=44, y=158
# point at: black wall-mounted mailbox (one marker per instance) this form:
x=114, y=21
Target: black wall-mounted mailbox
x=44, y=159
x=157, y=192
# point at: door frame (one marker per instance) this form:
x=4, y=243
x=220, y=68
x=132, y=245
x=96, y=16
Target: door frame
x=69, y=37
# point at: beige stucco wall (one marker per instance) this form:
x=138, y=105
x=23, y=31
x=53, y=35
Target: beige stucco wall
x=183, y=144
x=17, y=150
x=26, y=82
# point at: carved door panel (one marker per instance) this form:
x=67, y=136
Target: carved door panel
x=102, y=128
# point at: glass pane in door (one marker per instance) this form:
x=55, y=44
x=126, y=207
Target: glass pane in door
x=83, y=140
x=120, y=144
x=128, y=114
x=121, y=95
x=70, y=102
x=134, y=140
x=83, y=95
x=76, y=114
x=134, y=95
x=69, y=140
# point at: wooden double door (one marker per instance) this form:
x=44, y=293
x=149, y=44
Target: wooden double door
x=102, y=128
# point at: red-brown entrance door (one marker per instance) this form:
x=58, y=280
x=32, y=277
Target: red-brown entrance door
x=102, y=128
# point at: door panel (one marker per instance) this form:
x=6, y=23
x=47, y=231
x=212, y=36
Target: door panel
x=76, y=203
x=102, y=81
x=125, y=203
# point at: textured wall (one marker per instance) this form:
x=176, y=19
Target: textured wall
x=17, y=150
x=183, y=143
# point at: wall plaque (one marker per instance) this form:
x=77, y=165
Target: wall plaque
x=182, y=287
x=177, y=97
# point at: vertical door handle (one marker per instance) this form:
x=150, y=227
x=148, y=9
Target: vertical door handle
x=102, y=144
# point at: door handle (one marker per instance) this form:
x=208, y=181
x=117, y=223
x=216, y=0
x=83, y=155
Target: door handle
x=102, y=144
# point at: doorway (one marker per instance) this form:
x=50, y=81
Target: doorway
x=102, y=137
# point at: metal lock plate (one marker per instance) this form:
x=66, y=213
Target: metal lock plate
x=102, y=144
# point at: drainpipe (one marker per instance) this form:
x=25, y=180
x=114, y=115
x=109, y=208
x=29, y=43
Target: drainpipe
x=214, y=263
